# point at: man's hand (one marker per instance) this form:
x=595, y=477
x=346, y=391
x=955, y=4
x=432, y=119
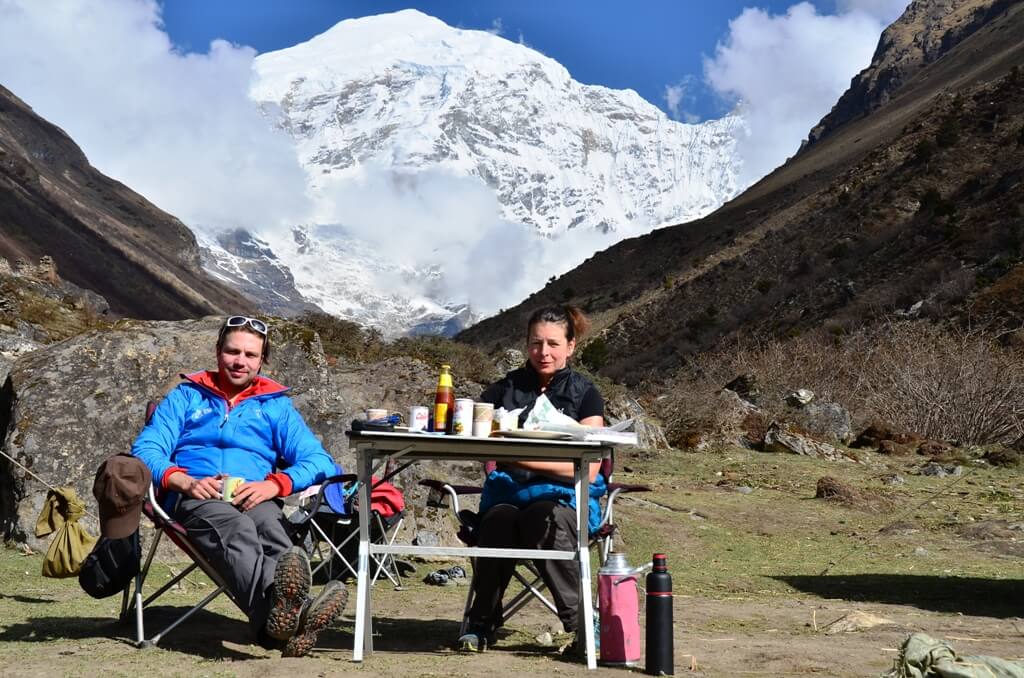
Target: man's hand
x=206, y=488
x=248, y=495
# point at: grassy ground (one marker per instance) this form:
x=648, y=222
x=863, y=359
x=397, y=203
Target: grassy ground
x=760, y=569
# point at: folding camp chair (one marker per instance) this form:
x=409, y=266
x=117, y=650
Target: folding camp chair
x=167, y=526
x=444, y=494
x=333, y=535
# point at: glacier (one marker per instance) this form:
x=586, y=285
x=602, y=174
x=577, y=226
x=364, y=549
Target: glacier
x=451, y=167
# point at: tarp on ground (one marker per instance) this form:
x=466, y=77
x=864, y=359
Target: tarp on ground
x=925, y=657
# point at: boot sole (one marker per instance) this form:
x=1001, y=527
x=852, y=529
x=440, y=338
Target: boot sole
x=324, y=610
x=292, y=581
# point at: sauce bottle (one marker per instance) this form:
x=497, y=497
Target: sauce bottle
x=444, y=401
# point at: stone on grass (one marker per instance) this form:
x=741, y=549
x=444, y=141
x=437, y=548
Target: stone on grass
x=780, y=439
x=856, y=621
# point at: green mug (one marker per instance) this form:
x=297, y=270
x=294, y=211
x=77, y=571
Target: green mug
x=230, y=484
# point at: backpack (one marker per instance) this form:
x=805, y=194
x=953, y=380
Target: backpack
x=111, y=565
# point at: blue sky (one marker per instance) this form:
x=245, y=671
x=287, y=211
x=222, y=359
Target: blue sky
x=645, y=46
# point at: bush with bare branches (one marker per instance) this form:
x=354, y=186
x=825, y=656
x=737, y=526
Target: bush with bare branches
x=946, y=383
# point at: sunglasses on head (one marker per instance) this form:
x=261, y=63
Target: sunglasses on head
x=241, y=321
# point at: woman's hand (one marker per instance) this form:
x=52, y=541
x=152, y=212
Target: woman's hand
x=250, y=494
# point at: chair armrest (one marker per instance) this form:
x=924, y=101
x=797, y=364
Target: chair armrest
x=333, y=480
x=438, y=490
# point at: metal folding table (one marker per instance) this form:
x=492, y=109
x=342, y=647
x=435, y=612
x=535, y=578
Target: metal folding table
x=373, y=445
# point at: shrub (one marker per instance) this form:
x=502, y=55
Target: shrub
x=923, y=152
x=949, y=131
x=941, y=382
x=933, y=203
x=467, y=362
x=595, y=354
x=344, y=338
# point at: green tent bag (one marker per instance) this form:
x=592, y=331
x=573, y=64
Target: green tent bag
x=72, y=544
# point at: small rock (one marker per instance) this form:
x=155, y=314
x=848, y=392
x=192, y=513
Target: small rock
x=856, y=621
x=746, y=387
x=544, y=639
x=920, y=551
x=933, y=448
x=743, y=489
x=894, y=479
x=799, y=397
x=937, y=470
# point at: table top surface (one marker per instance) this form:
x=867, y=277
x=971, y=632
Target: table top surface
x=469, y=447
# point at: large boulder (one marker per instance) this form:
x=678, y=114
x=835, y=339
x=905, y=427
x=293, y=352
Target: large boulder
x=69, y=405
x=829, y=421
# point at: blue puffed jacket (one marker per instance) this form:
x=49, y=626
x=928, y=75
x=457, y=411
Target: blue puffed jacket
x=502, y=488
x=196, y=430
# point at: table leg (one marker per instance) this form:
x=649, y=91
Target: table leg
x=363, y=640
x=585, y=614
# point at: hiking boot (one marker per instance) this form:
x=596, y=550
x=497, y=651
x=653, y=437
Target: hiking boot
x=475, y=640
x=292, y=580
x=321, y=612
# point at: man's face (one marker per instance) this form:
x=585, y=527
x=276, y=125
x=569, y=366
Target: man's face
x=239, y=359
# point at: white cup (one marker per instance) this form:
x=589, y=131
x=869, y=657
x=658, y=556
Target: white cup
x=483, y=416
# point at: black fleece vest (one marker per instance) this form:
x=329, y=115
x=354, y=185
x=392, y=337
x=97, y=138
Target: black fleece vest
x=521, y=387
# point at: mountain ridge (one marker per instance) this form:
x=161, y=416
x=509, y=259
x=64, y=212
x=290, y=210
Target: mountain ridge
x=832, y=236
x=401, y=109
x=100, y=234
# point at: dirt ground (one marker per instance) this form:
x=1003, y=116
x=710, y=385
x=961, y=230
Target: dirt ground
x=760, y=570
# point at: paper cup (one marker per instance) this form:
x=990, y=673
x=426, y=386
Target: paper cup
x=483, y=416
x=419, y=417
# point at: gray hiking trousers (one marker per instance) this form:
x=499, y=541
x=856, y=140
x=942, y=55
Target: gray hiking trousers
x=541, y=525
x=243, y=546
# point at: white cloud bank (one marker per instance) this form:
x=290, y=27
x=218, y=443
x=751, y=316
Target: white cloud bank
x=787, y=71
x=179, y=129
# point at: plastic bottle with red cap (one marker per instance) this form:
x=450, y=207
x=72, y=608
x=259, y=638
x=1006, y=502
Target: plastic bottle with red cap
x=659, y=659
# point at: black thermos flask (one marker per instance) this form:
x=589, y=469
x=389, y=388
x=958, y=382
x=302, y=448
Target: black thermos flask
x=659, y=619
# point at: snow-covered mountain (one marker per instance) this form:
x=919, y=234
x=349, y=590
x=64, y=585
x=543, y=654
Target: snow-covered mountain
x=395, y=116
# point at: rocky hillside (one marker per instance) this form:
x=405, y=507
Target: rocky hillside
x=100, y=235
x=926, y=32
x=915, y=208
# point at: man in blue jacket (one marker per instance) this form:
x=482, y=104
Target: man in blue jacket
x=235, y=423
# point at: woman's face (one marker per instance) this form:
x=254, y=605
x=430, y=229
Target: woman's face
x=239, y=360
x=548, y=348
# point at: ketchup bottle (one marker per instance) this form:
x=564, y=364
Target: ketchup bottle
x=444, y=401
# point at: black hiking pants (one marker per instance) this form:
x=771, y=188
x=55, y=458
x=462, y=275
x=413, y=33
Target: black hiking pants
x=541, y=525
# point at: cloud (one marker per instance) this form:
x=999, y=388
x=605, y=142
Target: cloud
x=787, y=71
x=497, y=27
x=432, y=218
x=886, y=11
x=179, y=129
x=679, y=97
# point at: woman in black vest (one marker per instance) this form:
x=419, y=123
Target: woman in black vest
x=551, y=339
